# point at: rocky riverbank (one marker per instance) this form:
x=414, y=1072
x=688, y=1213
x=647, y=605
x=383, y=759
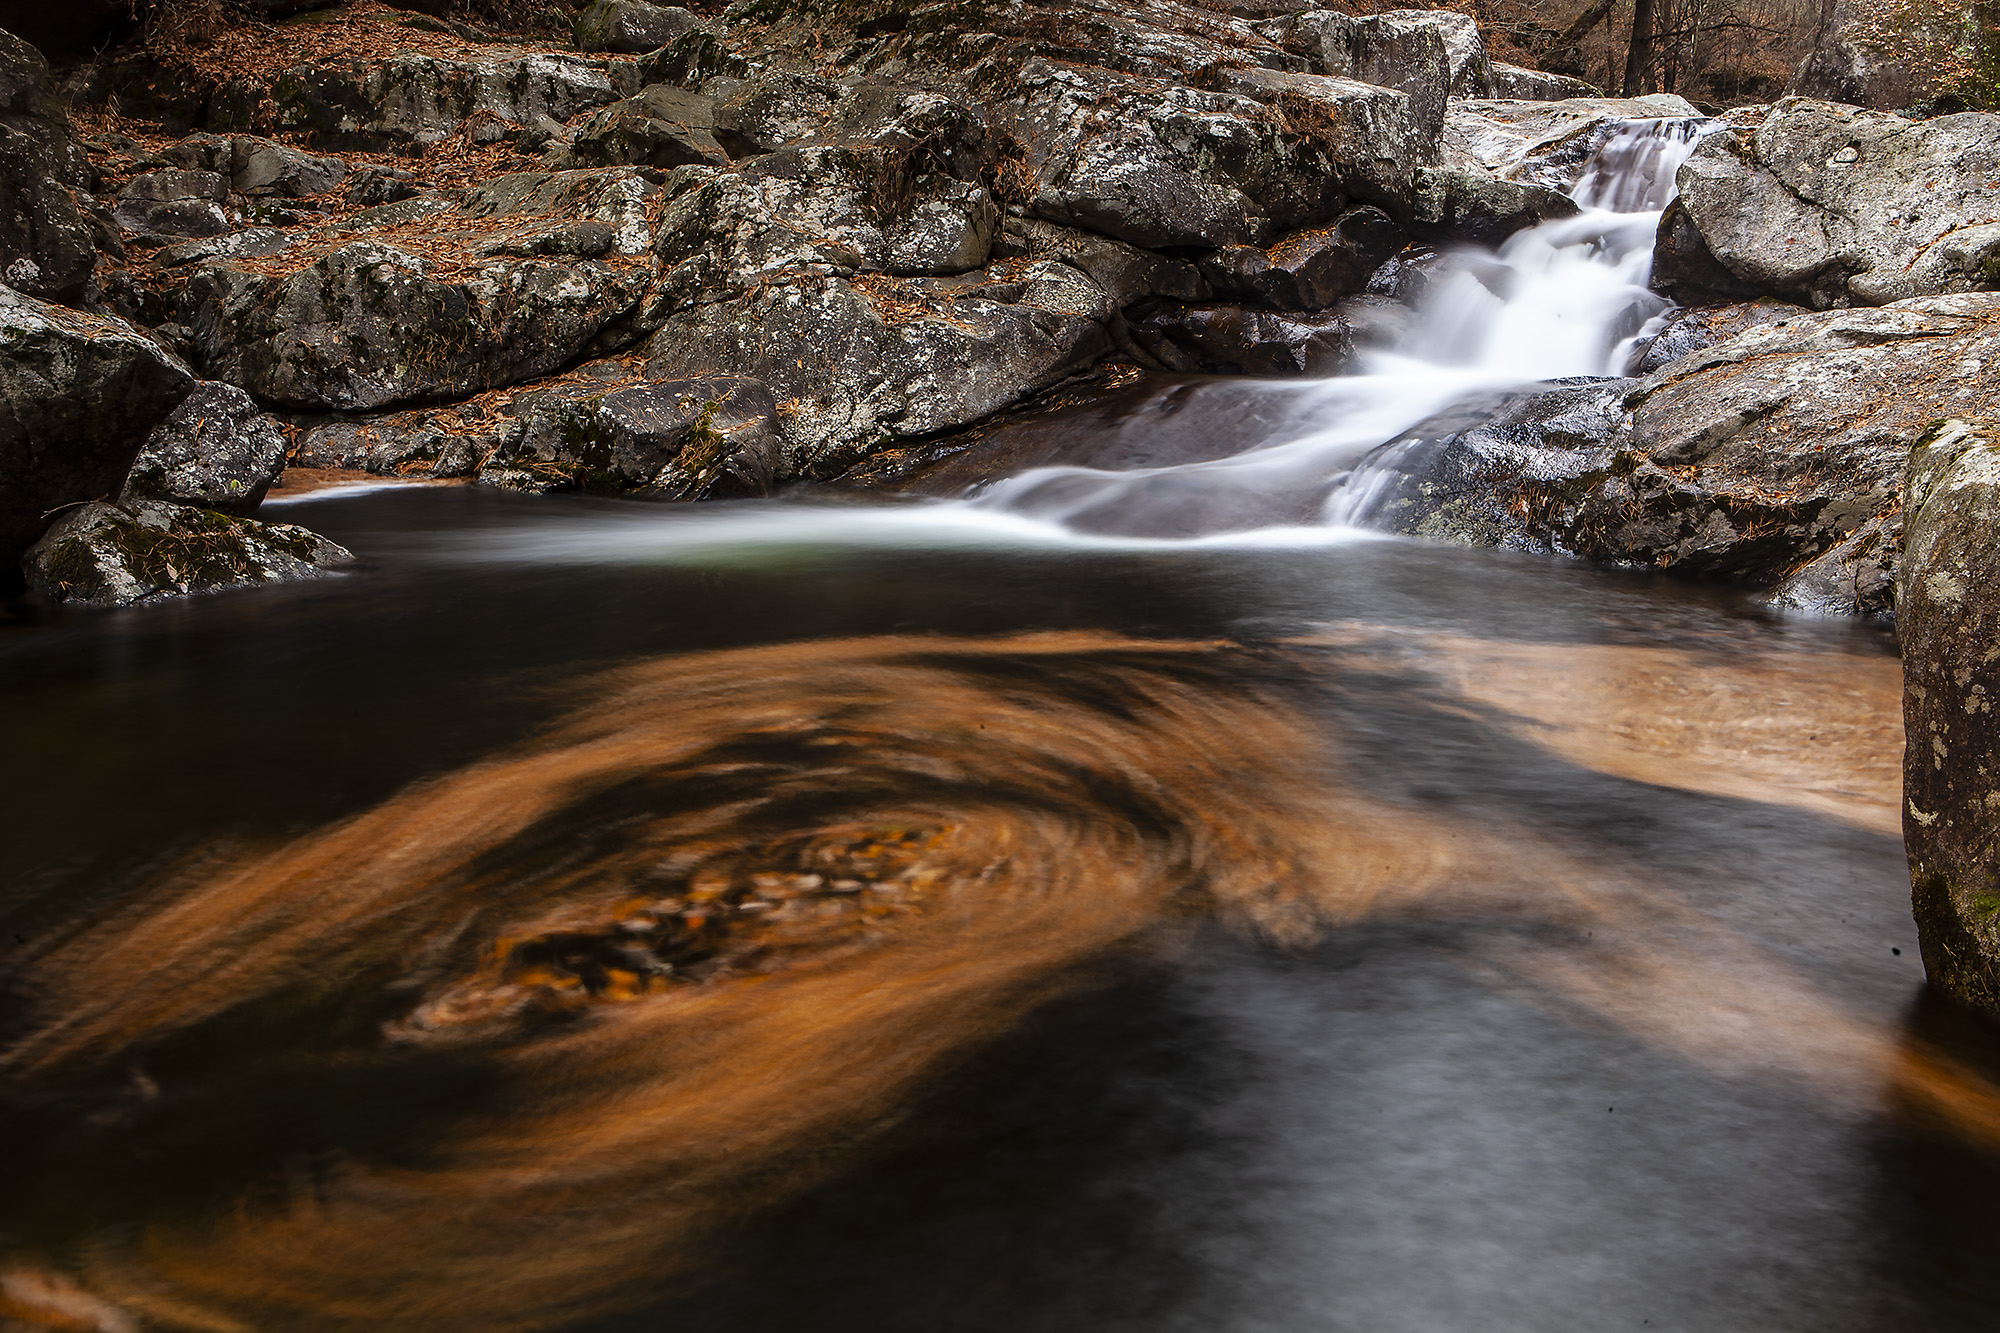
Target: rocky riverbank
x=692, y=254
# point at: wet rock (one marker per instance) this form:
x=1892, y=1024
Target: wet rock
x=1311, y=269
x=173, y=203
x=49, y=238
x=678, y=440
x=1514, y=83
x=106, y=555
x=1774, y=458
x=661, y=127
x=1683, y=268
x=513, y=281
x=1233, y=341
x=79, y=394
x=1826, y=205
x=1479, y=207
x=408, y=101
x=1684, y=332
x=631, y=26
x=217, y=450
x=449, y=441
x=1949, y=627
x=1545, y=143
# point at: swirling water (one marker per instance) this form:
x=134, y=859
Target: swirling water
x=820, y=915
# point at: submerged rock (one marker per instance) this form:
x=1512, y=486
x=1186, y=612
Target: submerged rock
x=217, y=450
x=144, y=550
x=79, y=394
x=1827, y=205
x=1948, y=622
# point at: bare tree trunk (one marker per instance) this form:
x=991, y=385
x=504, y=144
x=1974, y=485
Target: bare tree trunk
x=1585, y=21
x=1640, y=53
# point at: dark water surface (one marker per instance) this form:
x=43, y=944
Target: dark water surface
x=1286, y=935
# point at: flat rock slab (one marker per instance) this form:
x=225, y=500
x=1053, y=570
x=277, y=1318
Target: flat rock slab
x=106, y=555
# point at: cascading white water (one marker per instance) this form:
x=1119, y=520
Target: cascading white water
x=1563, y=299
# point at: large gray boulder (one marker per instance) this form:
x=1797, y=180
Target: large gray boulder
x=105, y=555
x=217, y=450
x=255, y=166
x=1827, y=205
x=160, y=206
x=1403, y=49
x=1774, y=458
x=676, y=440
x=79, y=394
x=662, y=127
x=1517, y=83
x=1949, y=624
x=428, y=299
x=632, y=26
x=48, y=237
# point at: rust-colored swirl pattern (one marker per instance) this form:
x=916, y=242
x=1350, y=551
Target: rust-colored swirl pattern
x=671, y=960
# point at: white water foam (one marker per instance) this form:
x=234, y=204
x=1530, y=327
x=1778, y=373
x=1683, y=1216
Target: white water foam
x=1566, y=298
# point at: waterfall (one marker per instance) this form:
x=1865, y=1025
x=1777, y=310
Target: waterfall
x=1566, y=298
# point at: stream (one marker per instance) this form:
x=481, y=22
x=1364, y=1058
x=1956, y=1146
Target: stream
x=1129, y=897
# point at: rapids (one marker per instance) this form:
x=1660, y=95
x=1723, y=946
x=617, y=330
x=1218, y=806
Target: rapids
x=1137, y=900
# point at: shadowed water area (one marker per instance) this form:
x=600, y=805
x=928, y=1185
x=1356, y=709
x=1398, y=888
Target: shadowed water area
x=991, y=914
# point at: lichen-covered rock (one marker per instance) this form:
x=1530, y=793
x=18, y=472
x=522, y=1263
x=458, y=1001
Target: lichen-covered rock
x=1309, y=269
x=408, y=101
x=1826, y=205
x=429, y=299
x=632, y=26
x=1774, y=458
x=661, y=127
x=1477, y=206
x=1949, y=624
x=165, y=204
x=858, y=363
x=1683, y=332
x=1515, y=83
x=48, y=238
x=79, y=394
x=702, y=439
x=765, y=113
x=217, y=450
x=1265, y=154
x=1404, y=49
x=106, y=555
x=1125, y=272
x=1229, y=340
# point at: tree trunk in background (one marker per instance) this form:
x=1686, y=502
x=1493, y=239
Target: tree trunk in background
x=1640, y=53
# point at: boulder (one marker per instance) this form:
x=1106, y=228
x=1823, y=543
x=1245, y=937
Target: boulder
x=1774, y=458
x=858, y=363
x=427, y=299
x=217, y=451
x=159, y=205
x=1827, y=205
x=1682, y=332
x=765, y=113
x=1229, y=340
x=406, y=102
x=1474, y=205
x=632, y=26
x=79, y=394
x=1515, y=83
x=105, y=555
x=1159, y=168
x=661, y=127
x=257, y=166
x=1949, y=627
x=678, y=440
x=1125, y=272
x=48, y=236
x=1403, y=49
x=1310, y=269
